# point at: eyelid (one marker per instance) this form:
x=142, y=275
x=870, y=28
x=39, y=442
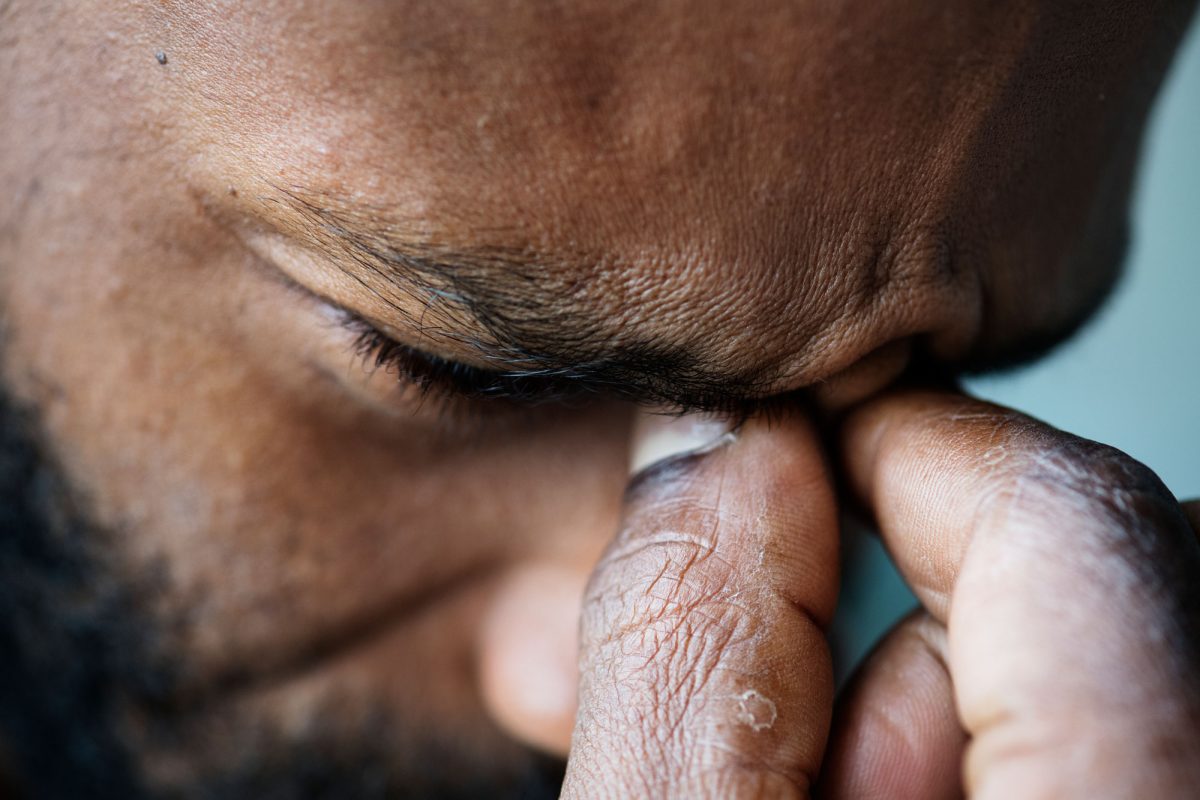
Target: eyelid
x=463, y=388
x=435, y=375
x=471, y=386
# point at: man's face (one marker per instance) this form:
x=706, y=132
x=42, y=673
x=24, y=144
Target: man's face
x=337, y=313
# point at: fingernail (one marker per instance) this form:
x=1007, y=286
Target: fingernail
x=657, y=437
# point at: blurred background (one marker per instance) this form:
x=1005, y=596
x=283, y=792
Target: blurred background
x=1131, y=379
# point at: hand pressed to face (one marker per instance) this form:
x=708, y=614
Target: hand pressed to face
x=704, y=667
x=607, y=203
x=1060, y=582
x=1058, y=648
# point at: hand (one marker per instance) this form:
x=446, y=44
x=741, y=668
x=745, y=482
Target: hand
x=1060, y=630
x=1059, y=634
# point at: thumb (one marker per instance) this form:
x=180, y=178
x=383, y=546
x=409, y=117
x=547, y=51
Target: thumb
x=704, y=667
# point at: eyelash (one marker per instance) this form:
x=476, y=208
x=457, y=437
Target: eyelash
x=465, y=390
x=449, y=380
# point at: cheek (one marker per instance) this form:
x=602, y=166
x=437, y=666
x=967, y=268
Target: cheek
x=277, y=509
x=282, y=523
x=397, y=571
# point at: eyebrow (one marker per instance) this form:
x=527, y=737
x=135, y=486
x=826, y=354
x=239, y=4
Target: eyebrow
x=527, y=303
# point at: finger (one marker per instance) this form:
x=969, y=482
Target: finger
x=704, y=667
x=1067, y=577
x=896, y=735
x=1191, y=509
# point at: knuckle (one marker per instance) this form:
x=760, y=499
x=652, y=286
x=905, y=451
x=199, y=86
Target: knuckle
x=1093, y=478
x=668, y=592
x=1103, y=496
x=666, y=613
x=683, y=654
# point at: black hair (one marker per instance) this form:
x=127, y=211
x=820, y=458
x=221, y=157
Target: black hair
x=62, y=629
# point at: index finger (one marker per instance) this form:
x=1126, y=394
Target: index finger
x=704, y=667
x=1068, y=578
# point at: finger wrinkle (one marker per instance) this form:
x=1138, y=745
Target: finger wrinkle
x=702, y=652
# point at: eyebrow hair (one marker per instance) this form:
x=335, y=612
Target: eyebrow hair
x=528, y=304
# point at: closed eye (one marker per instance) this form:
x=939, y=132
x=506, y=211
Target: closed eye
x=442, y=377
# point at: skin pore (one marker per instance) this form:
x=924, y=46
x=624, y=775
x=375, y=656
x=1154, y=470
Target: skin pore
x=655, y=204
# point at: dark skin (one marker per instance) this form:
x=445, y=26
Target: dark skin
x=602, y=207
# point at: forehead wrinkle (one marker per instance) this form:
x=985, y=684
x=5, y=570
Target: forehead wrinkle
x=527, y=304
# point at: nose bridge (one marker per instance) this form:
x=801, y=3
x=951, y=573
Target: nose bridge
x=842, y=320
x=757, y=306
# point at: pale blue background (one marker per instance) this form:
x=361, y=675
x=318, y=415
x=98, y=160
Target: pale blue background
x=1132, y=377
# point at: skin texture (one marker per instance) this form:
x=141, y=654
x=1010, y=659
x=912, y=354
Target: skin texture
x=1055, y=654
x=1060, y=611
x=705, y=667
x=771, y=199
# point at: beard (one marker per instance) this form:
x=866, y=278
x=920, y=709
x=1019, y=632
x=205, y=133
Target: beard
x=83, y=656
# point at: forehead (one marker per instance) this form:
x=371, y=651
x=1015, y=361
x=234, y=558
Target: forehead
x=682, y=158
x=530, y=114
